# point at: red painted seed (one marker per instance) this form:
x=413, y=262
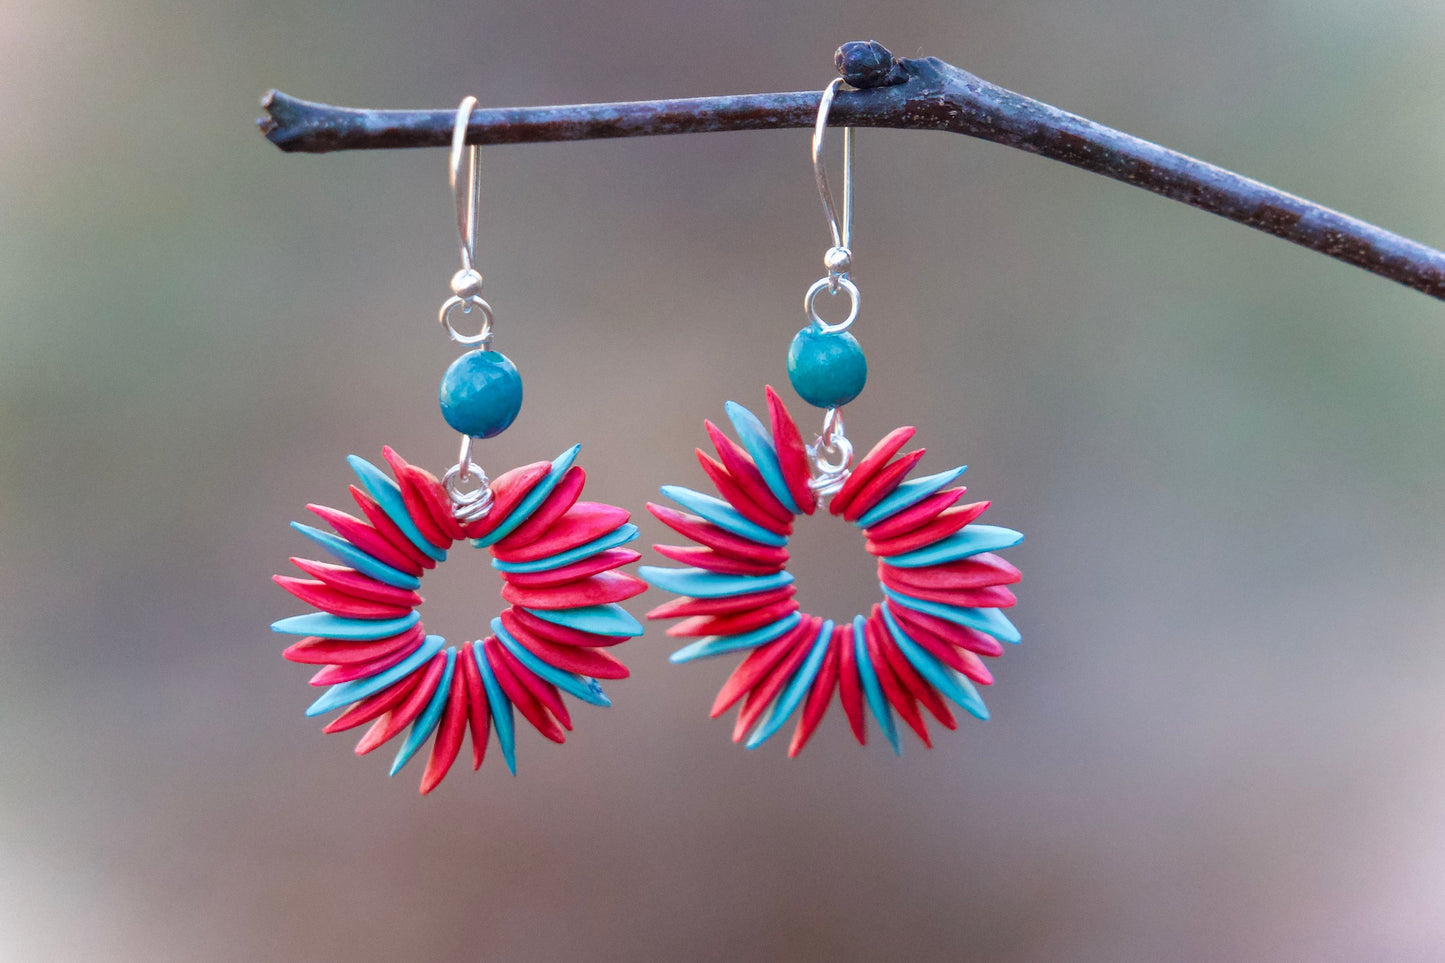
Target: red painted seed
x=919, y=513
x=766, y=691
x=595, y=663
x=315, y=650
x=366, y=538
x=352, y=582
x=399, y=718
x=893, y=689
x=378, y=519
x=684, y=606
x=952, y=633
x=881, y=485
x=478, y=711
x=508, y=490
x=978, y=571
x=759, y=665
x=819, y=695
x=734, y=623
x=745, y=471
x=561, y=634
x=792, y=455
x=943, y=525
x=864, y=471
x=919, y=689
x=739, y=497
x=850, y=684
x=720, y=540
x=696, y=556
x=447, y=742
x=601, y=562
x=601, y=589
x=335, y=674
x=586, y=522
x=416, y=502
x=553, y=507
x=522, y=697
x=374, y=705
x=328, y=599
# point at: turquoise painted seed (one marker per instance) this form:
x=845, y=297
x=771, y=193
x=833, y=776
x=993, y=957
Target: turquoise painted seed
x=826, y=369
x=481, y=393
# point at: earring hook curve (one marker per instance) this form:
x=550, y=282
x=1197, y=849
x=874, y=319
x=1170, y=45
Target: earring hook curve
x=466, y=283
x=466, y=198
x=842, y=237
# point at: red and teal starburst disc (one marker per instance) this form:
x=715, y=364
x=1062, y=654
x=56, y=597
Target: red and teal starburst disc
x=919, y=648
x=557, y=557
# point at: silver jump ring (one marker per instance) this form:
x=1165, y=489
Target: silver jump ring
x=468, y=506
x=842, y=450
x=456, y=475
x=830, y=474
x=484, y=336
x=827, y=284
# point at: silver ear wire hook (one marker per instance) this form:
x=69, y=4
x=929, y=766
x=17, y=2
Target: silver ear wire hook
x=466, y=283
x=839, y=257
x=466, y=201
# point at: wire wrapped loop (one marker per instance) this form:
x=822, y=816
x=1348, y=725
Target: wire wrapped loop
x=468, y=505
x=831, y=454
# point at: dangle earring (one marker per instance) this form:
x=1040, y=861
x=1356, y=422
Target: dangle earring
x=556, y=556
x=943, y=588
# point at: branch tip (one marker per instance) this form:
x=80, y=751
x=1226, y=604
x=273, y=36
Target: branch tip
x=865, y=64
x=268, y=123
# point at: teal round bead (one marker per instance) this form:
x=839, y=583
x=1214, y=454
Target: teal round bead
x=826, y=369
x=481, y=393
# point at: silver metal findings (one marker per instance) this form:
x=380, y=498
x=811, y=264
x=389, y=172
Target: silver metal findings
x=839, y=258
x=466, y=283
x=831, y=455
x=831, y=284
x=468, y=505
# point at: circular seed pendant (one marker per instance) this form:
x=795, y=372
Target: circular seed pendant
x=943, y=587
x=556, y=556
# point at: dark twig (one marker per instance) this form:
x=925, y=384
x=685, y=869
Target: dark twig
x=923, y=94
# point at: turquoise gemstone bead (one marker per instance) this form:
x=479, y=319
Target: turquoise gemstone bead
x=827, y=369
x=481, y=393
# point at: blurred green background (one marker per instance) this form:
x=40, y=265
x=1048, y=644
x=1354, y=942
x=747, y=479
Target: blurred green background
x=1223, y=737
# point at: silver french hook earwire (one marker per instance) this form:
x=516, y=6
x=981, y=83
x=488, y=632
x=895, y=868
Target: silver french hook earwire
x=466, y=283
x=839, y=258
x=466, y=197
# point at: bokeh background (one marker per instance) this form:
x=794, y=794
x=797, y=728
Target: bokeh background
x=1224, y=735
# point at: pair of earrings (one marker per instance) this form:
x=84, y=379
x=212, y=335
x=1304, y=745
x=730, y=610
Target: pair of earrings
x=921, y=646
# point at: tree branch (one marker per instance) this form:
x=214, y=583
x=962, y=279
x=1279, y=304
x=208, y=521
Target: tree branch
x=925, y=94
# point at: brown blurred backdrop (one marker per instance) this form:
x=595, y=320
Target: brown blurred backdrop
x=1224, y=735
